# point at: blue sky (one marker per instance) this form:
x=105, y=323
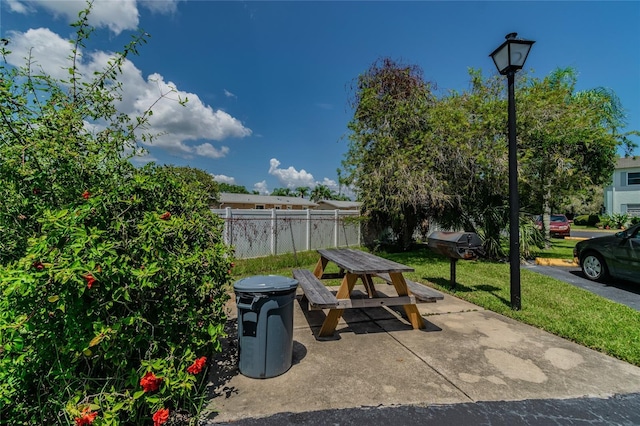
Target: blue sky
x=269, y=82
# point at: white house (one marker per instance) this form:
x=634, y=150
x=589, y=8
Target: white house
x=623, y=195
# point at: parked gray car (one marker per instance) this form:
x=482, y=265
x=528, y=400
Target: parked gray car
x=616, y=255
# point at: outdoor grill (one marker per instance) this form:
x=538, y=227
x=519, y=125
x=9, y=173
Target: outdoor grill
x=456, y=245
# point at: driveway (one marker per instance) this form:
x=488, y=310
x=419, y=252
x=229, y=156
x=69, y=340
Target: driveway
x=620, y=291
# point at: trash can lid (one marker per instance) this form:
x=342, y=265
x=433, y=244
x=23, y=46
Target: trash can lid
x=265, y=283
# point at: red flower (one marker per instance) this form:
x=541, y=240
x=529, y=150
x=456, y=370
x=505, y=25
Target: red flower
x=150, y=382
x=86, y=418
x=86, y=195
x=197, y=365
x=90, y=280
x=161, y=416
x=38, y=265
x=165, y=215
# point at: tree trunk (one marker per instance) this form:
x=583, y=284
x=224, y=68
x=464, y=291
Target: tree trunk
x=546, y=215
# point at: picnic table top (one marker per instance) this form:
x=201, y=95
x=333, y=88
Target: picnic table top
x=360, y=262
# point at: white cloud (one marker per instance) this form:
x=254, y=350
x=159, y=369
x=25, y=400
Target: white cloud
x=117, y=15
x=224, y=179
x=329, y=183
x=207, y=150
x=179, y=124
x=18, y=7
x=262, y=188
x=175, y=125
x=228, y=94
x=290, y=177
x=161, y=6
x=49, y=51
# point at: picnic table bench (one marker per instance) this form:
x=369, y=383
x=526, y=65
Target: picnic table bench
x=422, y=292
x=354, y=265
x=320, y=297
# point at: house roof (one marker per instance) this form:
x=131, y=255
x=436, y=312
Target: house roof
x=228, y=198
x=628, y=162
x=341, y=204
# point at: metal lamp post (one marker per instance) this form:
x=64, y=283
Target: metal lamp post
x=509, y=58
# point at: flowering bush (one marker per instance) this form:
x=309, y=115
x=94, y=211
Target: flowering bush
x=197, y=365
x=112, y=278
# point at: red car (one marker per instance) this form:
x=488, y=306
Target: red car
x=558, y=227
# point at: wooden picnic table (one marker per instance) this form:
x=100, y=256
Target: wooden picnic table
x=354, y=265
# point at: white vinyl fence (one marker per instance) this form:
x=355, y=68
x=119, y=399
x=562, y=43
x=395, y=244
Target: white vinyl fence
x=258, y=232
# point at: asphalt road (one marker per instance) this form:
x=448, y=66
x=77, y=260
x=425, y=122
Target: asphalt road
x=591, y=234
x=616, y=410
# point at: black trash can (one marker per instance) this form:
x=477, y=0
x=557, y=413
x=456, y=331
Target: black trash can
x=265, y=324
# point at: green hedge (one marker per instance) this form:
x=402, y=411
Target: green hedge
x=587, y=220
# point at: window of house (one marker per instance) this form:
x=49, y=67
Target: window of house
x=633, y=178
x=260, y=206
x=277, y=207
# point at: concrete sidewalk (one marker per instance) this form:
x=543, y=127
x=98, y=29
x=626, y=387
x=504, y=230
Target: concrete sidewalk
x=375, y=359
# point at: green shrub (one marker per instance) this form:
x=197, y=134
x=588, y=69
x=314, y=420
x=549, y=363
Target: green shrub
x=581, y=220
x=635, y=220
x=587, y=220
x=113, y=279
x=593, y=220
x=88, y=313
x=615, y=221
x=620, y=220
x=531, y=238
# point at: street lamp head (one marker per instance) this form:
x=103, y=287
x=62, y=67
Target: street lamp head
x=511, y=54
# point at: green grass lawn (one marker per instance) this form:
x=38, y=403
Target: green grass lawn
x=547, y=303
x=560, y=249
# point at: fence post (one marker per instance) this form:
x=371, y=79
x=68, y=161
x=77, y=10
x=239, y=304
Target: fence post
x=336, y=234
x=228, y=227
x=308, y=229
x=274, y=242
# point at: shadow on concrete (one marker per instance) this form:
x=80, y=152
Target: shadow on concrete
x=299, y=352
x=381, y=319
x=225, y=364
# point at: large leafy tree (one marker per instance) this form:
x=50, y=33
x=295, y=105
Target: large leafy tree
x=302, y=191
x=283, y=192
x=568, y=140
x=231, y=188
x=200, y=182
x=415, y=157
x=323, y=192
x=386, y=161
x=320, y=192
x=466, y=137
